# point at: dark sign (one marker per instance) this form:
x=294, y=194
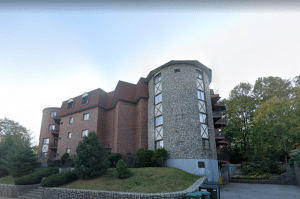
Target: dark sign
x=201, y=165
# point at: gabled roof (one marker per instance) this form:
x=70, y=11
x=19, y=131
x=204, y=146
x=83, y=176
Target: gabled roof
x=174, y=62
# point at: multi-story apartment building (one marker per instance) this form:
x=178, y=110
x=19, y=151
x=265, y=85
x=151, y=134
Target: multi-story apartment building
x=170, y=108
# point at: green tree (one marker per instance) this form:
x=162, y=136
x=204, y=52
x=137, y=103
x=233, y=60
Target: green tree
x=91, y=159
x=239, y=113
x=122, y=170
x=16, y=154
x=64, y=158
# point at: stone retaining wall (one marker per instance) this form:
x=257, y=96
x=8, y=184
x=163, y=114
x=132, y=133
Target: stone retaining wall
x=227, y=171
x=54, y=193
x=13, y=191
x=297, y=173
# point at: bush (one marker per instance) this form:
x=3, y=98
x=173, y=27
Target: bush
x=113, y=159
x=274, y=168
x=145, y=157
x=59, y=179
x=132, y=161
x=256, y=158
x=91, y=159
x=70, y=163
x=295, y=158
x=160, y=155
x=3, y=172
x=63, y=158
x=122, y=170
x=56, y=163
x=36, y=178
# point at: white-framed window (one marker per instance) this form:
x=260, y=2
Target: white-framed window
x=157, y=78
x=86, y=116
x=159, y=120
x=200, y=95
x=84, y=133
x=70, y=105
x=84, y=99
x=203, y=118
x=199, y=74
x=53, y=114
x=68, y=150
x=44, y=154
x=158, y=98
x=159, y=144
x=205, y=143
x=69, y=135
x=51, y=127
x=71, y=120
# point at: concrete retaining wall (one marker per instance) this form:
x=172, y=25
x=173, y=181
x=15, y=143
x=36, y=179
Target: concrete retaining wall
x=227, y=171
x=54, y=193
x=13, y=191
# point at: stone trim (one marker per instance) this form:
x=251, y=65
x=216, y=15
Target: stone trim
x=297, y=173
x=13, y=191
x=54, y=193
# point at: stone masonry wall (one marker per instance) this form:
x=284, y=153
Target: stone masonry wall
x=56, y=193
x=297, y=173
x=7, y=190
x=182, y=137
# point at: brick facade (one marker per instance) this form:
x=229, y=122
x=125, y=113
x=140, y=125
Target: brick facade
x=124, y=119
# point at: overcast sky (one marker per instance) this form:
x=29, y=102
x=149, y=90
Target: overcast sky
x=53, y=53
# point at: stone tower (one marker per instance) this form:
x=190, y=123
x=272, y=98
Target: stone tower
x=180, y=117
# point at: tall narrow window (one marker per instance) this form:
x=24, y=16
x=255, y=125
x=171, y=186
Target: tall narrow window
x=55, y=142
x=71, y=120
x=53, y=114
x=86, y=116
x=45, y=147
x=158, y=113
x=158, y=98
x=69, y=135
x=85, y=98
x=68, y=151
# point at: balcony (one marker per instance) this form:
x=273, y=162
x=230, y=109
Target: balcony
x=55, y=133
x=217, y=113
x=57, y=120
x=53, y=146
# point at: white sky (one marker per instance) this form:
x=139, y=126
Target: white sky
x=50, y=55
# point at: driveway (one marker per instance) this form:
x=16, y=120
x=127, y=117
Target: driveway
x=261, y=191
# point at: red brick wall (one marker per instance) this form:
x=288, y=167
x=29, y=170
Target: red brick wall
x=45, y=133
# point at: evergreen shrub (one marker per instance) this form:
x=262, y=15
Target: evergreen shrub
x=113, y=159
x=63, y=158
x=59, y=179
x=36, y=178
x=145, y=157
x=122, y=170
x=132, y=161
x=160, y=155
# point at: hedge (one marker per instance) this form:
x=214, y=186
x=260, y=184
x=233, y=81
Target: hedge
x=36, y=178
x=59, y=179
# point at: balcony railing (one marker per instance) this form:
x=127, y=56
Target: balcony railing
x=217, y=114
x=53, y=146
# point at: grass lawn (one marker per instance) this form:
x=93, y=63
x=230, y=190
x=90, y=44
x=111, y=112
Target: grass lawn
x=7, y=180
x=143, y=180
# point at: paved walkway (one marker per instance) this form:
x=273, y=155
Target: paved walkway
x=261, y=191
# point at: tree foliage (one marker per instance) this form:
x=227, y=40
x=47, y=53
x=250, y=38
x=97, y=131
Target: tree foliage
x=264, y=120
x=17, y=157
x=91, y=159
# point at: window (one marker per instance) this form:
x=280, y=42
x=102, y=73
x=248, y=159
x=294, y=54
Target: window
x=157, y=78
x=71, y=120
x=46, y=141
x=176, y=70
x=159, y=144
x=44, y=154
x=158, y=98
x=205, y=143
x=84, y=133
x=85, y=97
x=86, y=116
x=53, y=114
x=203, y=118
x=51, y=127
x=200, y=95
x=70, y=105
x=198, y=74
x=108, y=149
x=55, y=142
x=68, y=150
x=158, y=120
x=69, y=135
